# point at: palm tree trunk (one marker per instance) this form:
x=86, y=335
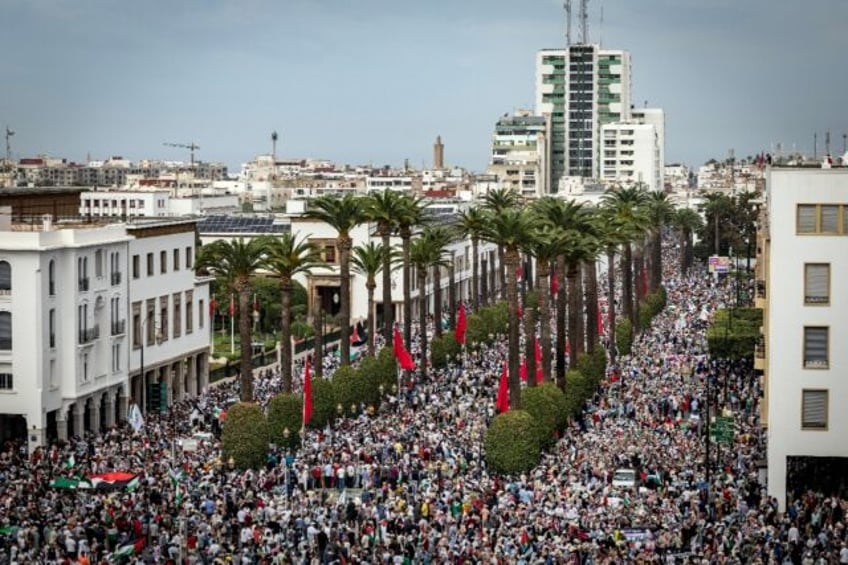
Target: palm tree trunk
x=484, y=284
x=611, y=300
x=407, y=289
x=476, y=291
x=437, y=299
x=318, y=340
x=388, y=306
x=285, y=333
x=590, y=284
x=530, y=343
x=370, y=286
x=559, y=346
x=656, y=260
x=502, y=273
x=543, y=284
x=627, y=282
x=345, y=244
x=581, y=311
x=245, y=343
x=574, y=313
x=422, y=319
x=716, y=239
x=683, y=240
x=511, y=260
x=638, y=269
x=451, y=296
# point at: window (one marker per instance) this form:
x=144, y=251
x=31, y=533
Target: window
x=52, y=324
x=188, y=258
x=827, y=219
x=814, y=409
x=150, y=264
x=163, y=262
x=5, y=331
x=201, y=312
x=85, y=367
x=178, y=318
x=51, y=277
x=815, y=347
x=116, y=357
x=806, y=218
x=6, y=381
x=176, y=259
x=115, y=267
x=816, y=283
x=136, y=322
x=189, y=311
x=52, y=373
x=5, y=277
x=163, y=317
x=98, y=263
x=150, y=330
x=136, y=266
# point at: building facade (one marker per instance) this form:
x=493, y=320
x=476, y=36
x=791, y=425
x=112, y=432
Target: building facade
x=631, y=155
x=519, y=148
x=65, y=343
x=804, y=251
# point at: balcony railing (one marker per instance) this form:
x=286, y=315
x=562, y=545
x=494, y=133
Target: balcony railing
x=5, y=291
x=83, y=284
x=761, y=289
x=5, y=344
x=119, y=327
x=89, y=335
x=116, y=279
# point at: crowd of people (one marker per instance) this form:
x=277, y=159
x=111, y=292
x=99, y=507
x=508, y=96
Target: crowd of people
x=409, y=484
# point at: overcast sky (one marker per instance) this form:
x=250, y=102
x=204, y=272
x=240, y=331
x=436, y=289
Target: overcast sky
x=374, y=81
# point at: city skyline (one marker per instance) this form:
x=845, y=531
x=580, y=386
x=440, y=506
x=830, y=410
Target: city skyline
x=376, y=82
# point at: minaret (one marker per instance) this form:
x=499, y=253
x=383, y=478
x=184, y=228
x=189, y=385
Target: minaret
x=438, y=153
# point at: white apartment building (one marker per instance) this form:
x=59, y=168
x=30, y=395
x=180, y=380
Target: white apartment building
x=154, y=203
x=579, y=89
x=519, y=148
x=66, y=349
x=631, y=155
x=803, y=271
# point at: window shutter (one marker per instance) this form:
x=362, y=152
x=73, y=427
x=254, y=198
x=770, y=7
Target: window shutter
x=829, y=218
x=814, y=409
x=815, y=347
x=816, y=283
x=806, y=218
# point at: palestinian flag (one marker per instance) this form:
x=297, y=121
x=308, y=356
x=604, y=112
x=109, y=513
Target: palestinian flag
x=129, y=549
x=69, y=483
x=176, y=477
x=114, y=481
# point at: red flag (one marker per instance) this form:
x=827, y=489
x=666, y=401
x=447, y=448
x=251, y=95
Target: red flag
x=461, y=325
x=502, y=402
x=403, y=357
x=519, y=311
x=307, y=395
x=354, y=335
x=519, y=272
x=600, y=321
x=538, y=356
x=213, y=306
x=567, y=348
x=232, y=305
x=554, y=283
x=522, y=370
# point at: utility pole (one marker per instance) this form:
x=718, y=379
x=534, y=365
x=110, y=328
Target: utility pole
x=567, y=6
x=584, y=22
x=9, y=133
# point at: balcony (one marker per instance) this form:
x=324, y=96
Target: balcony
x=116, y=279
x=88, y=335
x=83, y=284
x=119, y=327
x=760, y=354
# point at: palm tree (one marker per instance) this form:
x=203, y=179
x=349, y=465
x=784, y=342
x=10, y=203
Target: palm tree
x=368, y=260
x=441, y=237
x=659, y=210
x=410, y=216
x=610, y=238
x=470, y=224
x=626, y=206
x=545, y=244
x=425, y=253
x=385, y=208
x=716, y=208
x=510, y=228
x=287, y=257
x=687, y=221
x=234, y=263
x=496, y=201
x=342, y=214
x=578, y=249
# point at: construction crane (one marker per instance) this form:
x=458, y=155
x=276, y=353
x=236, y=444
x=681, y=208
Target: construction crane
x=190, y=146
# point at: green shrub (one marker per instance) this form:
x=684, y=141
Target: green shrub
x=593, y=366
x=492, y=320
x=544, y=410
x=323, y=403
x=531, y=301
x=577, y=389
x=444, y=350
x=512, y=443
x=553, y=392
x=734, y=334
x=245, y=436
x=349, y=389
x=285, y=411
x=624, y=336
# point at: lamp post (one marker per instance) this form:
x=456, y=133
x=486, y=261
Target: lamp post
x=286, y=435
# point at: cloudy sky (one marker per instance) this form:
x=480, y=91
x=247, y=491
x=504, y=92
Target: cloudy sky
x=374, y=81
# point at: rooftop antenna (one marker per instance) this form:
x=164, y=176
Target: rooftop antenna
x=567, y=6
x=9, y=133
x=601, y=30
x=274, y=146
x=584, y=21
x=827, y=142
x=815, y=145
x=845, y=143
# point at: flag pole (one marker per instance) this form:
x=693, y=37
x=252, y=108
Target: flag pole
x=233, y=326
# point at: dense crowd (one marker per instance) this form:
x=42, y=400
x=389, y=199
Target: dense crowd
x=409, y=484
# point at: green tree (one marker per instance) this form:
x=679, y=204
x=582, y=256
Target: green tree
x=470, y=225
x=235, y=263
x=426, y=252
x=385, y=208
x=660, y=211
x=343, y=215
x=369, y=260
x=496, y=201
x=687, y=222
x=409, y=218
x=287, y=257
x=245, y=437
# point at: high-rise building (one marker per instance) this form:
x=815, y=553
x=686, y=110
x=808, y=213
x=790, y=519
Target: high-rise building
x=579, y=89
x=518, y=153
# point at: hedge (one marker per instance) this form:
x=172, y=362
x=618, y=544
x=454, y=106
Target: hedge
x=624, y=337
x=652, y=305
x=245, y=436
x=512, y=443
x=577, y=389
x=594, y=365
x=545, y=411
x=443, y=350
x=553, y=392
x=734, y=338
x=323, y=403
x=492, y=320
x=285, y=411
x=349, y=389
